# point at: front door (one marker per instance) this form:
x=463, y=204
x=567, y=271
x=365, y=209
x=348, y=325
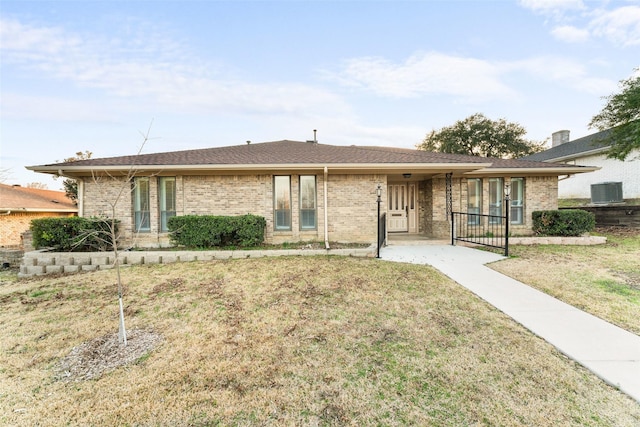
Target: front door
x=401, y=208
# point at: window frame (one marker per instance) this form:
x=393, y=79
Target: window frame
x=496, y=206
x=474, y=210
x=517, y=205
x=163, y=213
x=305, y=211
x=141, y=216
x=285, y=212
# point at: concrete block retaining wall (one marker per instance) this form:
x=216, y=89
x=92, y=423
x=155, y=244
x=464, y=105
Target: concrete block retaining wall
x=39, y=263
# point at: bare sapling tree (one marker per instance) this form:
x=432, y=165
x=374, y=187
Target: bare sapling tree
x=107, y=237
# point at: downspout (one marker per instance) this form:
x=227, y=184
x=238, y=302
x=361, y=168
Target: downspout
x=326, y=214
x=80, y=197
x=5, y=213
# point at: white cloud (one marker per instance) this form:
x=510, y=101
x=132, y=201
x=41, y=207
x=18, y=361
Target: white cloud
x=16, y=106
x=152, y=69
x=621, y=26
x=566, y=72
x=570, y=34
x=424, y=74
x=466, y=79
x=552, y=6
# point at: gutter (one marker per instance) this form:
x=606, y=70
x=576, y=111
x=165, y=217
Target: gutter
x=73, y=171
x=326, y=213
x=6, y=213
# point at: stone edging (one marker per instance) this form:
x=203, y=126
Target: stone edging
x=39, y=263
x=553, y=240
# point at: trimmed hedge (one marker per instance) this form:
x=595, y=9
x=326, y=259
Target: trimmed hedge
x=71, y=234
x=207, y=231
x=566, y=222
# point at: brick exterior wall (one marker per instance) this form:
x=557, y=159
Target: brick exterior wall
x=351, y=198
x=13, y=225
x=540, y=194
x=351, y=209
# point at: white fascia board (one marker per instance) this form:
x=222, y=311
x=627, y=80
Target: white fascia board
x=68, y=210
x=532, y=171
x=75, y=170
x=578, y=155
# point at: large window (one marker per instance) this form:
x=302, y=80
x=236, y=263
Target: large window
x=308, y=202
x=474, y=200
x=166, y=200
x=495, y=200
x=141, y=214
x=517, y=201
x=282, y=202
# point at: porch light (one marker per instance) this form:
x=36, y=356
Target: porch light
x=406, y=175
x=379, y=192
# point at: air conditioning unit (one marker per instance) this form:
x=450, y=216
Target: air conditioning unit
x=606, y=192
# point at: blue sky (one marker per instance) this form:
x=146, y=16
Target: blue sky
x=94, y=75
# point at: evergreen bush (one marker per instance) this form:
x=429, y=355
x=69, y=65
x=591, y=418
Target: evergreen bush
x=565, y=222
x=207, y=231
x=72, y=234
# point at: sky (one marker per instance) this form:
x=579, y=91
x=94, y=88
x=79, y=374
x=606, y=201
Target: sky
x=80, y=75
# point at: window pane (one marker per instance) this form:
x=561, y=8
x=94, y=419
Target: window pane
x=282, y=202
x=517, y=201
x=474, y=200
x=307, y=202
x=495, y=200
x=167, y=200
x=142, y=218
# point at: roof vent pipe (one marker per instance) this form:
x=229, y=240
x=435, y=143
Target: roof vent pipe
x=314, y=140
x=559, y=138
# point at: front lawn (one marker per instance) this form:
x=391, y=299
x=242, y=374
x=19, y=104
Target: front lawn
x=286, y=341
x=603, y=280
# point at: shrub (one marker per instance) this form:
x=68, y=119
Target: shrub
x=72, y=234
x=566, y=222
x=206, y=231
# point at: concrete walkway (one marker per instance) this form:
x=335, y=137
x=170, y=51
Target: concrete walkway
x=610, y=352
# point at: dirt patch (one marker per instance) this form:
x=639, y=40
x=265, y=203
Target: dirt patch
x=619, y=231
x=94, y=358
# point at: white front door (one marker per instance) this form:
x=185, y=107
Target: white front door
x=398, y=208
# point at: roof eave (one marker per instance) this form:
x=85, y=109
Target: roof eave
x=577, y=155
x=533, y=171
x=63, y=210
x=82, y=170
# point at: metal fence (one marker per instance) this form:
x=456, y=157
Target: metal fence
x=382, y=232
x=480, y=229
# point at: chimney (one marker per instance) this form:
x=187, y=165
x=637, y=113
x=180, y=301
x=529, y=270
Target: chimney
x=559, y=137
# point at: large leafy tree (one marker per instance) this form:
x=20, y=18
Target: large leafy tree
x=621, y=114
x=478, y=135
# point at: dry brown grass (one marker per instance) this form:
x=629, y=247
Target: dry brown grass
x=291, y=341
x=603, y=280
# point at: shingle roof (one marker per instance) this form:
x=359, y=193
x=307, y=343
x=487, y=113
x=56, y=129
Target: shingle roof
x=296, y=152
x=572, y=149
x=14, y=197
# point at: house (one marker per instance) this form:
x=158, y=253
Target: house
x=309, y=191
x=591, y=150
x=19, y=205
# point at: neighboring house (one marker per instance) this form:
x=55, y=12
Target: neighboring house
x=19, y=205
x=591, y=151
x=309, y=191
